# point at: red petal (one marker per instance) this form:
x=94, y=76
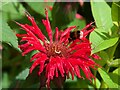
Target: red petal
x=96, y=56
x=81, y=52
x=66, y=32
x=28, y=50
x=21, y=35
x=87, y=26
x=60, y=67
x=41, y=67
x=87, y=32
x=56, y=72
x=72, y=74
x=37, y=29
x=74, y=43
x=38, y=55
x=41, y=61
x=77, y=70
x=47, y=26
x=79, y=46
x=24, y=45
x=36, y=63
x=56, y=33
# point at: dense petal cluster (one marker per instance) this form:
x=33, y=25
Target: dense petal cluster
x=56, y=55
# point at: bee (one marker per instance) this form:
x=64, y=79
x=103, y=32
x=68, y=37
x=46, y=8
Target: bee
x=76, y=34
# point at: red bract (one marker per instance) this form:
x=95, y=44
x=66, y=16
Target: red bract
x=57, y=56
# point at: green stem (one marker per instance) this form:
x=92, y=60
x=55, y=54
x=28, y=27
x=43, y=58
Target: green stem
x=95, y=72
x=107, y=68
x=103, y=84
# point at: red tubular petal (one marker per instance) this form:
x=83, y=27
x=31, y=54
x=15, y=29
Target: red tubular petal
x=81, y=52
x=36, y=63
x=27, y=38
x=74, y=43
x=87, y=72
x=39, y=46
x=37, y=55
x=60, y=67
x=77, y=71
x=21, y=35
x=65, y=38
x=24, y=45
x=67, y=66
x=41, y=67
x=56, y=72
x=79, y=46
x=87, y=26
x=87, y=32
x=47, y=26
x=27, y=51
x=66, y=32
x=37, y=29
x=72, y=74
x=96, y=56
x=52, y=70
x=56, y=33
x=41, y=61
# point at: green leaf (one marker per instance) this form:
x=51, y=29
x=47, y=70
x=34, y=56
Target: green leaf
x=5, y=80
x=63, y=13
x=115, y=79
x=116, y=11
x=102, y=15
x=32, y=79
x=12, y=10
x=25, y=80
x=111, y=51
x=104, y=57
x=105, y=44
x=77, y=22
x=23, y=75
x=39, y=7
x=114, y=63
x=106, y=78
x=8, y=36
x=96, y=38
x=97, y=83
x=116, y=71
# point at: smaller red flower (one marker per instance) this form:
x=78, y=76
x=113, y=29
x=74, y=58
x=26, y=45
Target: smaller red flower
x=57, y=57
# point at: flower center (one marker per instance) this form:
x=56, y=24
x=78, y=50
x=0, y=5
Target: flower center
x=56, y=49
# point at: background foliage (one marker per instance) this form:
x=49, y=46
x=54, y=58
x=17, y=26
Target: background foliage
x=105, y=40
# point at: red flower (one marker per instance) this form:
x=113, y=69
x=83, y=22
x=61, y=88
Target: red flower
x=57, y=56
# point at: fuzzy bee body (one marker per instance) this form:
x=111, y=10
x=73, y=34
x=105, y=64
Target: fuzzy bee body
x=74, y=35
x=79, y=34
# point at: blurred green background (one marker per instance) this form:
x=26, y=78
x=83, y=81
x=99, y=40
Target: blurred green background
x=105, y=40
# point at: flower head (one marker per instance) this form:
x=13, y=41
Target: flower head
x=56, y=55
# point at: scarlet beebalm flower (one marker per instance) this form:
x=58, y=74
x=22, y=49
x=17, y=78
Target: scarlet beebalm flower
x=57, y=56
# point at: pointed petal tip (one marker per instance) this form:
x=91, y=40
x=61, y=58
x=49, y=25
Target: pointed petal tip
x=17, y=35
x=17, y=22
x=46, y=10
x=46, y=13
x=30, y=71
x=27, y=13
x=23, y=54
